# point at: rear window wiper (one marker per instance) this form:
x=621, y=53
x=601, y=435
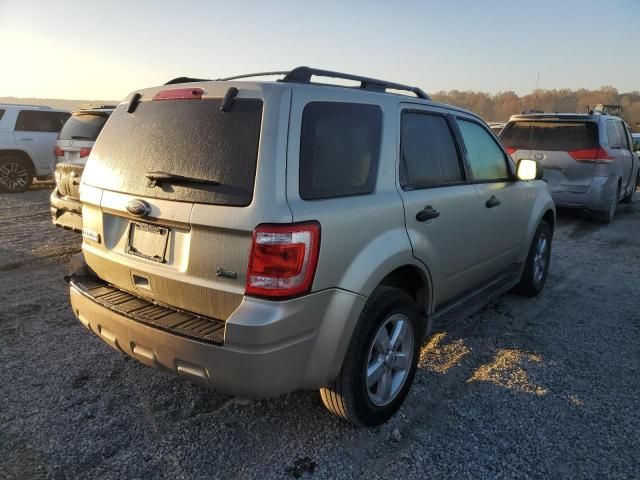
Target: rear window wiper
x=163, y=177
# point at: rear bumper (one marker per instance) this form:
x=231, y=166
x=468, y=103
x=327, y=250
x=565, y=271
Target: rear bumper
x=65, y=212
x=269, y=348
x=597, y=198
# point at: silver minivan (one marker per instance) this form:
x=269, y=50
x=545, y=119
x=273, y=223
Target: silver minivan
x=264, y=236
x=589, y=160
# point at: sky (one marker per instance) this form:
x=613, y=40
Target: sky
x=104, y=50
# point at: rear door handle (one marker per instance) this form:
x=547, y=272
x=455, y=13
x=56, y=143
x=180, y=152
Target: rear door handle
x=427, y=214
x=492, y=202
x=27, y=138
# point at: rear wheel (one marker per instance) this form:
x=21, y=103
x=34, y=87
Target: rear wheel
x=536, y=267
x=608, y=216
x=15, y=174
x=381, y=360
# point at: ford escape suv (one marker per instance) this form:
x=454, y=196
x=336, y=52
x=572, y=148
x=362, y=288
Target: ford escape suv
x=266, y=236
x=74, y=144
x=588, y=159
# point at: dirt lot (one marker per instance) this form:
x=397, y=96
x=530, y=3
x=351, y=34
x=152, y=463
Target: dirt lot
x=526, y=388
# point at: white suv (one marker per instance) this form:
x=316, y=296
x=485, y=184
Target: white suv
x=27, y=136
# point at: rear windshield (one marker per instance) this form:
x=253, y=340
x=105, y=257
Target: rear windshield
x=83, y=126
x=188, y=138
x=550, y=135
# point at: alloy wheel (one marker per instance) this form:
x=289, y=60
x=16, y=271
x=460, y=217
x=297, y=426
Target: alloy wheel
x=390, y=358
x=13, y=176
x=540, y=258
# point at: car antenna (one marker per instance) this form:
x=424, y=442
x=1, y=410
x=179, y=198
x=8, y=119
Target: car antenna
x=535, y=109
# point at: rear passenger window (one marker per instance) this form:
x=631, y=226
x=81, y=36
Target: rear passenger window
x=428, y=155
x=613, y=135
x=487, y=160
x=339, y=149
x=35, y=121
x=622, y=135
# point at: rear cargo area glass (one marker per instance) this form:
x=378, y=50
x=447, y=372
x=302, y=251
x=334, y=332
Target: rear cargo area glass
x=190, y=138
x=83, y=126
x=550, y=135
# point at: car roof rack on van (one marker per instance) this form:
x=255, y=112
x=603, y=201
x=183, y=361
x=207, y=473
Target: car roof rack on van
x=304, y=74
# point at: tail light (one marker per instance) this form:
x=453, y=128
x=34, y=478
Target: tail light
x=179, y=94
x=283, y=260
x=591, y=155
x=84, y=152
x=510, y=150
x=57, y=151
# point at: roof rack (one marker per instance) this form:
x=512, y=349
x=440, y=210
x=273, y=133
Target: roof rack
x=304, y=74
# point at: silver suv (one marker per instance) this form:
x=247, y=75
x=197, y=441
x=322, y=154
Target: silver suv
x=589, y=159
x=261, y=237
x=27, y=136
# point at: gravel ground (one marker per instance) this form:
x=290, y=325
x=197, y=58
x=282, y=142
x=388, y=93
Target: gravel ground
x=527, y=388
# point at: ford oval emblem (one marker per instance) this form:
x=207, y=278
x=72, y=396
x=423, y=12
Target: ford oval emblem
x=539, y=156
x=138, y=208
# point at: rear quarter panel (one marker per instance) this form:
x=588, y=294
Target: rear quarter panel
x=363, y=237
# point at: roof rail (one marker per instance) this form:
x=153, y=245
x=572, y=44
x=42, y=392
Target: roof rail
x=304, y=74
x=97, y=107
x=249, y=75
x=177, y=80
x=44, y=107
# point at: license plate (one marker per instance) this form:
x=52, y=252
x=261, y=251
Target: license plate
x=147, y=241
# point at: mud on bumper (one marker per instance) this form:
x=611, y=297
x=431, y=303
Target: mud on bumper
x=264, y=349
x=66, y=212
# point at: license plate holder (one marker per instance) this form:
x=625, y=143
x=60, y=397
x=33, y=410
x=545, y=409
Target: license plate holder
x=147, y=241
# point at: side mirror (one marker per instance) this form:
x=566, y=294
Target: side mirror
x=529, y=170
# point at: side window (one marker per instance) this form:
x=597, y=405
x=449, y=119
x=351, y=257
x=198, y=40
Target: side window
x=622, y=133
x=1, y=114
x=428, y=155
x=36, y=121
x=339, y=149
x=487, y=160
x=613, y=135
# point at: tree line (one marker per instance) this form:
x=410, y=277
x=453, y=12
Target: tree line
x=500, y=106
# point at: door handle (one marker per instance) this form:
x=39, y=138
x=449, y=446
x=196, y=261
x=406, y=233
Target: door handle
x=492, y=202
x=427, y=214
x=27, y=139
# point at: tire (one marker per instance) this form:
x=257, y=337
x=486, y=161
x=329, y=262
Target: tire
x=348, y=396
x=16, y=174
x=536, y=269
x=608, y=216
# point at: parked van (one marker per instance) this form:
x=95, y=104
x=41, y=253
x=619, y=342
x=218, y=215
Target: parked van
x=588, y=159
